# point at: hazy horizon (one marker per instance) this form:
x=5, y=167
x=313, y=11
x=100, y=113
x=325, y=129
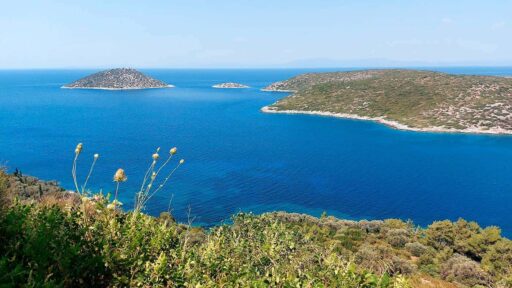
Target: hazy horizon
x=244, y=34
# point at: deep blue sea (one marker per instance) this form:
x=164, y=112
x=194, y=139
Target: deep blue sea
x=239, y=159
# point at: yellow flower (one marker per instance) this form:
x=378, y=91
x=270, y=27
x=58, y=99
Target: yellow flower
x=78, y=148
x=173, y=150
x=120, y=176
x=155, y=156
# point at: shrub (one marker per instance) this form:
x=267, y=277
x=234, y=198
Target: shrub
x=415, y=248
x=480, y=243
x=398, y=237
x=463, y=270
x=44, y=246
x=440, y=234
x=498, y=260
x=400, y=266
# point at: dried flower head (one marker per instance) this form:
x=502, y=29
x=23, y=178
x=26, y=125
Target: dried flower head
x=96, y=156
x=117, y=202
x=78, y=148
x=153, y=176
x=173, y=150
x=182, y=161
x=155, y=156
x=120, y=176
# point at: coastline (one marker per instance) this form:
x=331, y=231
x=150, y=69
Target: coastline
x=389, y=123
x=222, y=87
x=105, y=88
x=277, y=90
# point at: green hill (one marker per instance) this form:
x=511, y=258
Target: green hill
x=407, y=99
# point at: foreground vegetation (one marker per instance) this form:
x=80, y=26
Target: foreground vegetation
x=50, y=237
x=66, y=239
x=417, y=99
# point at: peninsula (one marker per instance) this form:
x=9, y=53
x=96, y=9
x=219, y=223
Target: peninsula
x=117, y=79
x=403, y=99
x=230, y=85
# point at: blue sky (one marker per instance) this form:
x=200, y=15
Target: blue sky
x=239, y=33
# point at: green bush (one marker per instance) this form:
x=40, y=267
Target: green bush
x=95, y=245
x=42, y=245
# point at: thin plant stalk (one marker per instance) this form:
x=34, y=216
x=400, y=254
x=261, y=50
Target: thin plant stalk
x=142, y=196
x=163, y=184
x=115, y=195
x=90, y=172
x=73, y=172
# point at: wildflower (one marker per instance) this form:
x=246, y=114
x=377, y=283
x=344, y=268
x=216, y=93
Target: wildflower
x=120, y=176
x=78, y=148
x=182, y=161
x=96, y=156
x=173, y=150
x=155, y=156
x=85, y=199
x=111, y=206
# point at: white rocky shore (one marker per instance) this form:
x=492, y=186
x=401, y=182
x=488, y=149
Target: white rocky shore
x=390, y=123
x=127, y=88
x=230, y=85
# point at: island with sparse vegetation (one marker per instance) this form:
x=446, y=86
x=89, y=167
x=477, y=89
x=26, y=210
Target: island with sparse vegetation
x=403, y=99
x=117, y=79
x=230, y=85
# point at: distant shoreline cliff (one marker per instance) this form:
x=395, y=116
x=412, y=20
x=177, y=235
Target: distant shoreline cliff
x=117, y=79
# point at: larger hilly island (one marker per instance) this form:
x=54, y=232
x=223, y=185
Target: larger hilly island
x=404, y=99
x=117, y=79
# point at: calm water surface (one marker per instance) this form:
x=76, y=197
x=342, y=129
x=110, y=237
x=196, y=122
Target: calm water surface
x=239, y=159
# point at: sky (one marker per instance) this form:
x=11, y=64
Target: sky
x=253, y=34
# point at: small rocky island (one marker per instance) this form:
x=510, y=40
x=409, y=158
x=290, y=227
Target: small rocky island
x=117, y=79
x=403, y=99
x=230, y=85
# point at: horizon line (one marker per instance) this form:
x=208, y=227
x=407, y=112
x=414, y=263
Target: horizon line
x=260, y=67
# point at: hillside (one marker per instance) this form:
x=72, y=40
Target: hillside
x=404, y=99
x=117, y=79
x=50, y=237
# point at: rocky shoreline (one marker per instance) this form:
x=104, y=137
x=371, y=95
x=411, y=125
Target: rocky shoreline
x=115, y=89
x=390, y=123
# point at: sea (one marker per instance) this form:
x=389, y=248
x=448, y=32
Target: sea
x=238, y=159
